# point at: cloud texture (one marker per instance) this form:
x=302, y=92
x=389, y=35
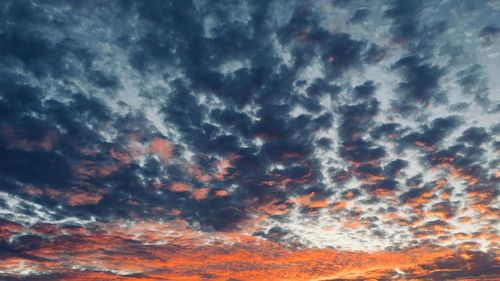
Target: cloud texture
x=250, y=140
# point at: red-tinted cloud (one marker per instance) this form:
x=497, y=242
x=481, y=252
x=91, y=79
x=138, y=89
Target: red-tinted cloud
x=155, y=251
x=161, y=147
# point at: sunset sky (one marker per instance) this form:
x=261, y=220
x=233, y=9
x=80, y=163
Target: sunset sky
x=223, y=140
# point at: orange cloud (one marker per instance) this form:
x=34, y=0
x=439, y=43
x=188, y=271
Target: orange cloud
x=420, y=200
x=161, y=147
x=307, y=201
x=171, y=251
x=222, y=166
x=424, y=146
x=123, y=158
x=73, y=197
x=16, y=140
x=108, y=169
x=200, y=193
x=180, y=187
x=371, y=179
x=77, y=198
x=198, y=174
x=221, y=193
x=274, y=208
x=339, y=205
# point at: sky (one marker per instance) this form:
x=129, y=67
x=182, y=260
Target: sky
x=249, y=140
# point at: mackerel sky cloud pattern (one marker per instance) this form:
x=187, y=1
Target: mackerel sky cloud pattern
x=249, y=140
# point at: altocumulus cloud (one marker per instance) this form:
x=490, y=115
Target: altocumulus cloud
x=250, y=140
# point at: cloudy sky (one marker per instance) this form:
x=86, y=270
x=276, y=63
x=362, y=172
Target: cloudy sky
x=249, y=140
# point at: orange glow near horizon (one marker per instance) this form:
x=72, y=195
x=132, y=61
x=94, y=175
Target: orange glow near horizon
x=156, y=251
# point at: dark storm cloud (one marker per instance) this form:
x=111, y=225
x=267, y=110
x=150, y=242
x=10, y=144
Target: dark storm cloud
x=274, y=234
x=496, y=145
x=482, y=264
x=445, y=209
x=276, y=125
x=405, y=19
x=374, y=54
x=434, y=133
x=420, y=83
x=382, y=186
x=489, y=34
x=342, y=53
x=180, y=40
x=303, y=27
x=339, y=52
x=393, y=168
x=359, y=16
x=53, y=150
x=475, y=136
x=389, y=130
x=474, y=83
x=22, y=137
x=39, y=52
x=260, y=83
x=42, y=137
x=360, y=151
x=321, y=87
x=176, y=28
x=365, y=90
x=357, y=119
x=421, y=76
x=104, y=80
x=495, y=129
x=414, y=181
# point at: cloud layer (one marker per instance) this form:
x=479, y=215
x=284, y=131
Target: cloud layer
x=259, y=140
